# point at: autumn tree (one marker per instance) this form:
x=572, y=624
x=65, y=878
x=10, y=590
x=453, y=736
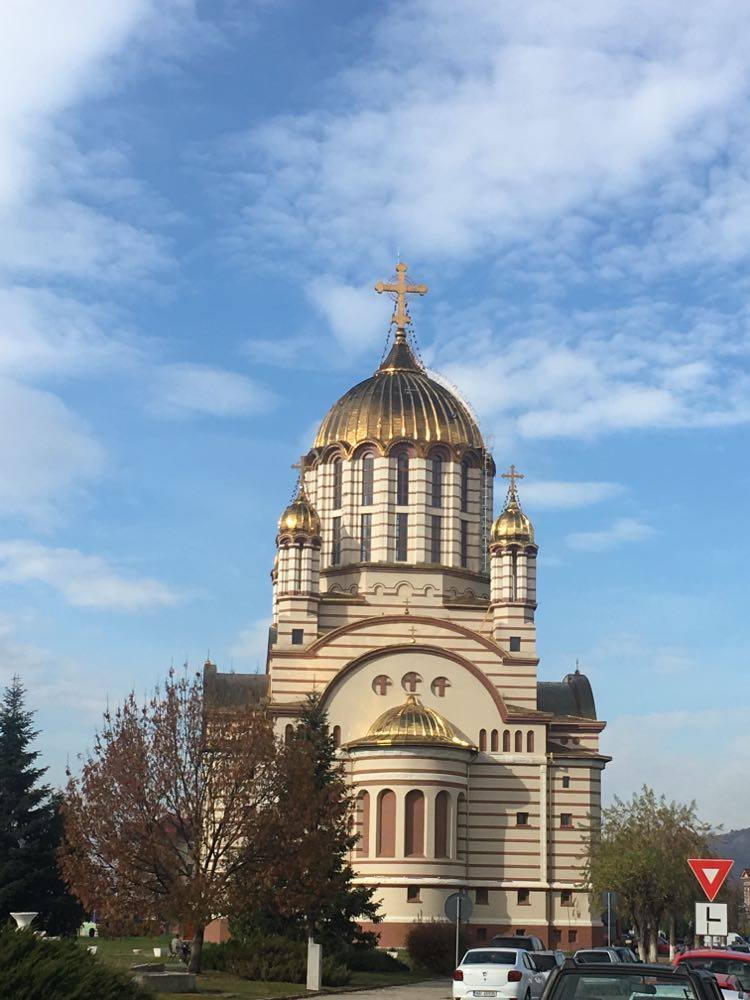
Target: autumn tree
x=641, y=854
x=169, y=808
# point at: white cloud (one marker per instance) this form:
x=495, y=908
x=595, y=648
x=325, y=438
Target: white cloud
x=84, y=581
x=251, y=645
x=555, y=494
x=180, y=390
x=622, y=532
x=355, y=315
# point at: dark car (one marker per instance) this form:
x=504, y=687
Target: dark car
x=526, y=941
x=630, y=981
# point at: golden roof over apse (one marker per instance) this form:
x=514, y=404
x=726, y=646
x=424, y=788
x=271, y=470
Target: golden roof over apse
x=413, y=723
x=400, y=401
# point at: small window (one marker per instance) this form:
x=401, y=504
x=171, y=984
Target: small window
x=335, y=541
x=481, y=897
x=402, y=537
x=436, y=534
x=437, y=483
x=566, y=781
x=481, y=933
x=566, y=821
x=368, y=466
x=337, y=483
x=493, y=741
x=506, y=741
x=482, y=739
x=572, y=937
x=402, y=479
x=464, y=544
x=566, y=897
x=530, y=741
x=465, y=485
x=381, y=684
x=288, y=733
x=523, y=897
x=439, y=686
x=518, y=741
x=556, y=936
x=522, y=819
x=515, y=644
x=412, y=894
x=298, y=636
x=365, y=537
x=337, y=735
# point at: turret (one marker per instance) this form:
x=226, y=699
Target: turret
x=513, y=554
x=296, y=572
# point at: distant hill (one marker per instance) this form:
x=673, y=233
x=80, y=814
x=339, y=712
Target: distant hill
x=734, y=845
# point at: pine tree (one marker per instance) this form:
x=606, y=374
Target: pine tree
x=30, y=826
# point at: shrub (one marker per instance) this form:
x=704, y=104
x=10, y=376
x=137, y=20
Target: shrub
x=271, y=959
x=371, y=960
x=432, y=946
x=33, y=968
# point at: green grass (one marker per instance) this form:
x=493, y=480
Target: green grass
x=119, y=952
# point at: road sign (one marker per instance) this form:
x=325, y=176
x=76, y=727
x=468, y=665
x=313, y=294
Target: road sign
x=451, y=906
x=711, y=873
x=711, y=919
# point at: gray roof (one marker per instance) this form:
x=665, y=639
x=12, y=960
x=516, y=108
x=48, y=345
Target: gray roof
x=232, y=690
x=570, y=696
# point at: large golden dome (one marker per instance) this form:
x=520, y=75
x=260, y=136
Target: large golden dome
x=412, y=722
x=399, y=402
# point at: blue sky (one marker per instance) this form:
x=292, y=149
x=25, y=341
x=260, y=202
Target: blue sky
x=196, y=199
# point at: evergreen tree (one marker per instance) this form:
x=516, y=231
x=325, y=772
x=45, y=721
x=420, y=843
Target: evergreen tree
x=30, y=826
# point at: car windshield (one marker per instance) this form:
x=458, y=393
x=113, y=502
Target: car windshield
x=608, y=987
x=725, y=967
x=544, y=962
x=512, y=942
x=624, y=954
x=489, y=958
x=593, y=956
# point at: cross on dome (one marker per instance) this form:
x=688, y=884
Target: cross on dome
x=401, y=288
x=513, y=476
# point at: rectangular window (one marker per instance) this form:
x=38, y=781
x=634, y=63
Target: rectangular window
x=566, y=781
x=481, y=933
x=368, y=468
x=464, y=486
x=566, y=897
x=298, y=636
x=566, y=821
x=482, y=897
x=572, y=937
x=522, y=819
x=402, y=479
x=464, y=544
x=515, y=644
x=523, y=897
x=336, y=541
x=412, y=894
x=402, y=537
x=436, y=532
x=337, y=483
x=436, y=499
x=365, y=537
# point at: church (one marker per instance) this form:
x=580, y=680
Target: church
x=403, y=600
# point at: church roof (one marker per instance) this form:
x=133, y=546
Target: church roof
x=227, y=691
x=413, y=723
x=300, y=517
x=570, y=696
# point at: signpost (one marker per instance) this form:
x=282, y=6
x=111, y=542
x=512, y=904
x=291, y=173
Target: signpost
x=458, y=907
x=711, y=917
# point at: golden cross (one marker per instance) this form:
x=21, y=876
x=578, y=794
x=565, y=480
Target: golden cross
x=513, y=476
x=402, y=288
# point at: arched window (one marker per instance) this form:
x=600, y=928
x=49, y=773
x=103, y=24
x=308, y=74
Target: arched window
x=337, y=483
x=519, y=741
x=482, y=739
x=362, y=813
x=442, y=804
x=402, y=478
x=337, y=735
x=465, y=485
x=506, y=741
x=530, y=741
x=493, y=741
x=386, y=845
x=436, y=498
x=461, y=826
x=288, y=733
x=368, y=477
x=414, y=824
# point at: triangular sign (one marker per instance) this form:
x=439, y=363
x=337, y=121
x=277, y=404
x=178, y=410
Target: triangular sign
x=711, y=873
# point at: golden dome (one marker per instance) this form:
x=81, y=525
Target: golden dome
x=412, y=722
x=512, y=525
x=300, y=517
x=400, y=401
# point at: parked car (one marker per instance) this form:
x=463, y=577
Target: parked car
x=727, y=963
x=626, y=954
x=546, y=962
x=600, y=956
x=630, y=981
x=730, y=986
x=497, y=972
x=526, y=941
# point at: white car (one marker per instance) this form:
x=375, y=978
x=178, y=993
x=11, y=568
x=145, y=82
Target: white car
x=497, y=972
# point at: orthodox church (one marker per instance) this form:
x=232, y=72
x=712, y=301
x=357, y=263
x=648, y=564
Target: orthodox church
x=400, y=597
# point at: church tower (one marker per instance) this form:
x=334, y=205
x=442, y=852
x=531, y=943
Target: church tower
x=399, y=599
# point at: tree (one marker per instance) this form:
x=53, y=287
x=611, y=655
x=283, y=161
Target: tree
x=308, y=887
x=641, y=854
x=166, y=800
x=30, y=826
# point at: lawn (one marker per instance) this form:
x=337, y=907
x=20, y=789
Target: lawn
x=124, y=952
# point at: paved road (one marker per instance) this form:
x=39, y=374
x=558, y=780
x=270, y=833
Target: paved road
x=436, y=989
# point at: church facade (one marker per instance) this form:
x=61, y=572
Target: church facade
x=402, y=599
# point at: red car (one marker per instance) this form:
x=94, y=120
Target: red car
x=728, y=982
x=726, y=963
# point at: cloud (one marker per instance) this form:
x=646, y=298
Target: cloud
x=355, y=316
x=84, y=581
x=251, y=645
x=554, y=494
x=622, y=532
x=180, y=390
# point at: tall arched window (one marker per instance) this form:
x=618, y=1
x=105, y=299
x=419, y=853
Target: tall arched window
x=368, y=479
x=465, y=484
x=337, y=735
x=414, y=824
x=506, y=741
x=337, y=483
x=519, y=741
x=461, y=827
x=530, y=741
x=362, y=813
x=288, y=733
x=386, y=828
x=402, y=478
x=442, y=804
x=482, y=739
x=493, y=741
x=436, y=498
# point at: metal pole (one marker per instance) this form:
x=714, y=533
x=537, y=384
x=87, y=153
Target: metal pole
x=458, y=925
x=609, y=919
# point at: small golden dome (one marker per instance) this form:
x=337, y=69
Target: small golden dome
x=300, y=517
x=399, y=402
x=412, y=722
x=512, y=525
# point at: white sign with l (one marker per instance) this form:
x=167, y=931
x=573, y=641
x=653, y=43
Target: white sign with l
x=711, y=919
